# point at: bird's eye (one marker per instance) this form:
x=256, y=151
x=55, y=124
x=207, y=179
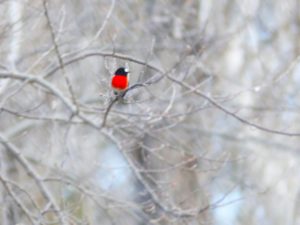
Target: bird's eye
x=126, y=70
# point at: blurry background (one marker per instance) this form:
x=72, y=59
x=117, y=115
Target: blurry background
x=212, y=137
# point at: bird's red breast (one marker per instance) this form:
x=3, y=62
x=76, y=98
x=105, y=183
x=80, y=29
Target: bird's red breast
x=119, y=82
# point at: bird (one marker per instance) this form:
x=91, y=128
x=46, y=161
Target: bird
x=120, y=80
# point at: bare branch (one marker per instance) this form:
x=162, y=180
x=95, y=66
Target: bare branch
x=93, y=53
x=230, y=113
x=34, y=174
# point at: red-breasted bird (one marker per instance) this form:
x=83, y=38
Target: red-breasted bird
x=120, y=80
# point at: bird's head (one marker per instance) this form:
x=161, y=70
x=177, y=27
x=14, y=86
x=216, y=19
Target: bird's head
x=122, y=71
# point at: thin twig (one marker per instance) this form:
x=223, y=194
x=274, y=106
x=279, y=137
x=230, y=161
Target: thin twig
x=44, y=83
x=168, y=210
x=110, y=105
x=115, y=99
x=40, y=118
x=58, y=54
x=18, y=201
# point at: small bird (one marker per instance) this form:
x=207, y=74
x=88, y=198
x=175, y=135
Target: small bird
x=120, y=80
